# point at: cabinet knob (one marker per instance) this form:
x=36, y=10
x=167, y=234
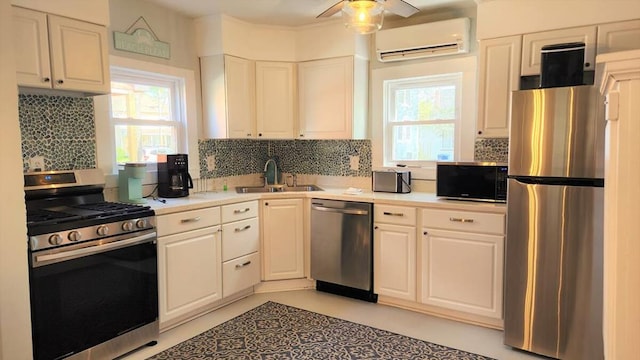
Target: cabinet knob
x=301, y=135
x=46, y=79
x=259, y=134
x=425, y=233
x=480, y=132
x=266, y=204
x=60, y=81
x=375, y=227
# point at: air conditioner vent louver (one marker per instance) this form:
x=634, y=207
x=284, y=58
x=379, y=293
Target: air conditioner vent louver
x=423, y=40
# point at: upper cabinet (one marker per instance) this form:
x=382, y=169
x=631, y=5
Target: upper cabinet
x=228, y=97
x=332, y=98
x=499, y=75
x=275, y=99
x=533, y=43
x=54, y=52
x=619, y=36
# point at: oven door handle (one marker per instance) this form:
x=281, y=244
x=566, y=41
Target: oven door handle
x=92, y=250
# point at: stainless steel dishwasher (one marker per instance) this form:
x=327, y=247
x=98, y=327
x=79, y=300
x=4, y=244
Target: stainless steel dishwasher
x=342, y=248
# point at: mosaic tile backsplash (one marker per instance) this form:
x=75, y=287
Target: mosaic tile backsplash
x=496, y=149
x=313, y=157
x=61, y=129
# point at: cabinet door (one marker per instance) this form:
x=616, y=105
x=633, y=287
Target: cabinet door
x=282, y=241
x=31, y=48
x=325, y=90
x=463, y=271
x=394, y=261
x=189, y=272
x=239, y=75
x=533, y=43
x=79, y=55
x=275, y=100
x=620, y=36
x=499, y=76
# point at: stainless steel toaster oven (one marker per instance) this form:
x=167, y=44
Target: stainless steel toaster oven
x=392, y=181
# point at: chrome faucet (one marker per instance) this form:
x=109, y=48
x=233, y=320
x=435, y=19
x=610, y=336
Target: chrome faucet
x=275, y=172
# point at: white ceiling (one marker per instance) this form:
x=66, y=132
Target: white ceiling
x=277, y=12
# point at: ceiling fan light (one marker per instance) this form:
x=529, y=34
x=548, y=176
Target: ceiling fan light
x=363, y=16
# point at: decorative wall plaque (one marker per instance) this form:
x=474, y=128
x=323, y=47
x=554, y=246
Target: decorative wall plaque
x=141, y=40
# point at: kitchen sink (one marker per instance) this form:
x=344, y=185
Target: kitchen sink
x=275, y=188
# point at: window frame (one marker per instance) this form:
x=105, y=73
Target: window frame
x=105, y=140
x=390, y=86
x=465, y=138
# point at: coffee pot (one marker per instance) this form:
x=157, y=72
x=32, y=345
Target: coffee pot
x=130, y=183
x=173, y=176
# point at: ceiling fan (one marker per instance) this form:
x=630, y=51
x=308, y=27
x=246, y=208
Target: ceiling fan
x=398, y=7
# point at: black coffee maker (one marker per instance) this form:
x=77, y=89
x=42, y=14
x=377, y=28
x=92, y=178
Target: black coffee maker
x=173, y=176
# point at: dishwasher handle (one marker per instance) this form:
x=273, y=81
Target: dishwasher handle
x=340, y=211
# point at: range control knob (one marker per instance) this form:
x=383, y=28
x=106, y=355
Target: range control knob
x=102, y=230
x=127, y=225
x=74, y=236
x=142, y=223
x=55, y=239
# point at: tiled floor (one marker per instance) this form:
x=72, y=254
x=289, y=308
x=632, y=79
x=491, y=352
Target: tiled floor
x=471, y=338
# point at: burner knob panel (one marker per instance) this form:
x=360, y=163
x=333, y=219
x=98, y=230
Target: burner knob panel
x=142, y=223
x=55, y=239
x=127, y=225
x=102, y=230
x=74, y=236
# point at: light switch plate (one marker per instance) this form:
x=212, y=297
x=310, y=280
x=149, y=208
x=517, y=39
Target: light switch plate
x=36, y=163
x=354, y=162
x=211, y=162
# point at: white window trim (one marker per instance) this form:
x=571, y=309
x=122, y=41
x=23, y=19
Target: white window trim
x=104, y=132
x=466, y=136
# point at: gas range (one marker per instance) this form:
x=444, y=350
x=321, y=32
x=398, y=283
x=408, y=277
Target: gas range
x=68, y=207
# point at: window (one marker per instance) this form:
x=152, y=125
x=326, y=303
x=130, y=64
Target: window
x=423, y=112
x=152, y=111
x=146, y=116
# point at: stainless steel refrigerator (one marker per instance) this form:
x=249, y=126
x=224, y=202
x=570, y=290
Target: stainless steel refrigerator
x=553, y=273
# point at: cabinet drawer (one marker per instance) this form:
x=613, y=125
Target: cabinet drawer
x=390, y=214
x=188, y=220
x=240, y=274
x=464, y=221
x=240, y=238
x=240, y=211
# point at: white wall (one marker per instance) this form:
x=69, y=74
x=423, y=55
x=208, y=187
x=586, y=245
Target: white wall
x=15, y=322
x=497, y=18
x=95, y=11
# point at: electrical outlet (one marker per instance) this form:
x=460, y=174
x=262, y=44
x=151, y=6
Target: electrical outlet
x=36, y=163
x=211, y=162
x=354, y=162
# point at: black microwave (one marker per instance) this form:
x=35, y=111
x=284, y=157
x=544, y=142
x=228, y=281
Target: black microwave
x=478, y=181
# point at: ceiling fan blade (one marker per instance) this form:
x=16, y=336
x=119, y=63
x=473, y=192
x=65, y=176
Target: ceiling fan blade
x=332, y=10
x=400, y=7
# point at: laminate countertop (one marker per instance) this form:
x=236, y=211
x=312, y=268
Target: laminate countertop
x=415, y=199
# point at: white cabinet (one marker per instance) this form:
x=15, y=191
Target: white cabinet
x=240, y=245
x=533, y=43
x=394, y=252
x=228, y=97
x=620, y=36
x=189, y=262
x=282, y=237
x=275, y=100
x=54, y=52
x=462, y=261
x=499, y=75
x=332, y=98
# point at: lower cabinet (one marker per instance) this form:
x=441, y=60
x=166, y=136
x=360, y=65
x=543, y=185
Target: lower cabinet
x=394, y=261
x=462, y=271
x=189, y=271
x=282, y=239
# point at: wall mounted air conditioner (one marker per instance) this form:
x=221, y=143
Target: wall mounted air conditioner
x=424, y=40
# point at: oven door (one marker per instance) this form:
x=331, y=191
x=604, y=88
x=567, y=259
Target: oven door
x=92, y=293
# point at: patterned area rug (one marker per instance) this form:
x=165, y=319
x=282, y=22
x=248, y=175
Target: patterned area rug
x=274, y=331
